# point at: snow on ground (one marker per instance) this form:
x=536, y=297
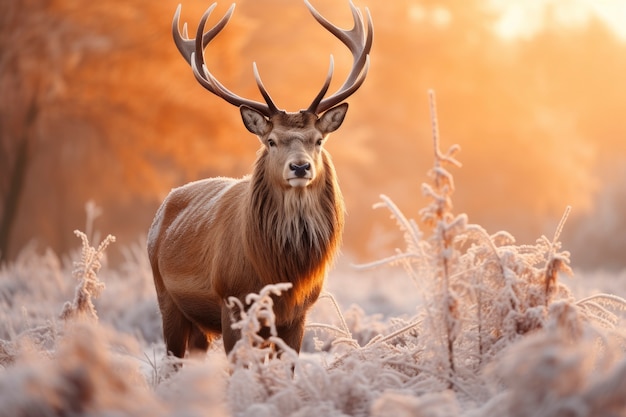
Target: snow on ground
x=563, y=359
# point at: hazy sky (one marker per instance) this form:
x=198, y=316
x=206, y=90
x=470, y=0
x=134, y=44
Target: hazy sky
x=524, y=18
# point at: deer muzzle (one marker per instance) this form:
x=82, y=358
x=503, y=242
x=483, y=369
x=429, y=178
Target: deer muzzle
x=300, y=171
x=300, y=174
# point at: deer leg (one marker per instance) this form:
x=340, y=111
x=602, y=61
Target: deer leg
x=204, y=311
x=292, y=335
x=199, y=341
x=176, y=327
x=229, y=335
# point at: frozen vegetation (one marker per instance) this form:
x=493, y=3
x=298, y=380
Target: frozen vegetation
x=460, y=322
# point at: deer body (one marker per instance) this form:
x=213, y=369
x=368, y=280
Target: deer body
x=221, y=237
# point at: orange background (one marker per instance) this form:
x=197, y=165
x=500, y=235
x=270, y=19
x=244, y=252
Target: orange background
x=108, y=111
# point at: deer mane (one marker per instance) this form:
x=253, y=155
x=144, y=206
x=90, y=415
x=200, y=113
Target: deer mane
x=299, y=227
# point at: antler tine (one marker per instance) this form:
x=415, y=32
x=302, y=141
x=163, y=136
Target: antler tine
x=316, y=101
x=193, y=52
x=360, y=46
x=343, y=94
x=187, y=46
x=266, y=96
x=205, y=78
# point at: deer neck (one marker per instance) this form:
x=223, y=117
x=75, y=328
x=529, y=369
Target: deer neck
x=291, y=230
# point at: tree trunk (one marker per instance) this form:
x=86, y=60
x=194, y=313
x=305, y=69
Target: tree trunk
x=16, y=181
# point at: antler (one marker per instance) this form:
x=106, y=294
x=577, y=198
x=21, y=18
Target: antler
x=355, y=39
x=359, y=44
x=193, y=52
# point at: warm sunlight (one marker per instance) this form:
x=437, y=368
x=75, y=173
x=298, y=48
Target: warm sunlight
x=118, y=117
x=468, y=171
x=523, y=18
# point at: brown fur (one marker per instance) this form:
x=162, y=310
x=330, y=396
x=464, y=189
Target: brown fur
x=218, y=238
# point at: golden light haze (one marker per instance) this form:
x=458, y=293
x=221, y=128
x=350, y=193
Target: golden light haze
x=524, y=18
x=97, y=104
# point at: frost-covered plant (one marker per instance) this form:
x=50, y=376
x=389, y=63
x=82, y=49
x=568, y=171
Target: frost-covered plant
x=82, y=376
x=446, y=227
x=433, y=261
x=510, y=287
x=32, y=276
x=253, y=348
x=41, y=278
x=264, y=383
x=86, y=272
x=480, y=291
x=567, y=370
x=261, y=365
x=340, y=334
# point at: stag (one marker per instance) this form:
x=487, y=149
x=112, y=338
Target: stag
x=221, y=237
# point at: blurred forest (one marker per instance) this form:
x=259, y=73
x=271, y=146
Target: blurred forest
x=97, y=105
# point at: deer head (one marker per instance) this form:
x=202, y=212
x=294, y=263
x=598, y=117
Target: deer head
x=293, y=141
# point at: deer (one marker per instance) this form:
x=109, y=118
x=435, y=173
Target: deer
x=217, y=238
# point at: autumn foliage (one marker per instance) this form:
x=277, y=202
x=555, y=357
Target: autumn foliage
x=97, y=104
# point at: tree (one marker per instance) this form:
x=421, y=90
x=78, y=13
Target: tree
x=32, y=69
x=97, y=104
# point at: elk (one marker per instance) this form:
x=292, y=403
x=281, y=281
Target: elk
x=221, y=237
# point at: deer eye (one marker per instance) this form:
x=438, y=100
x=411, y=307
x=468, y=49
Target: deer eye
x=271, y=143
x=319, y=142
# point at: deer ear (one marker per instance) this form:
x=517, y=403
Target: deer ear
x=254, y=121
x=332, y=119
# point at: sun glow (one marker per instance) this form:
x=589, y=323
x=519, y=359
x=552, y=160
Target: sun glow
x=523, y=18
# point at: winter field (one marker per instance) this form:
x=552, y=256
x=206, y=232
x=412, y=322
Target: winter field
x=460, y=322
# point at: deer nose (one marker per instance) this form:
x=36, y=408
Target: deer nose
x=300, y=170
